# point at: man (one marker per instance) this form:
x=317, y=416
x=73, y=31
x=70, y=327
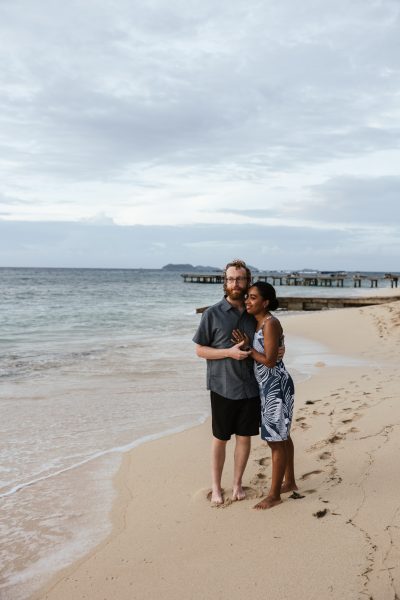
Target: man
x=235, y=401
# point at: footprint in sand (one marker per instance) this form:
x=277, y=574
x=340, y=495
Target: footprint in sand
x=250, y=493
x=301, y=422
x=347, y=409
x=263, y=461
x=335, y=438
x=351, y=418
x=258, y=478
x=307, y=475
x=325, y=455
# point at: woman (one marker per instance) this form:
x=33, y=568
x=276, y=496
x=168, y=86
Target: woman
x=276, y=390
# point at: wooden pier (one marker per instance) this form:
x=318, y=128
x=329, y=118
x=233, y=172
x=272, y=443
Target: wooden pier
x=307, y=303
x=203, y=277
x=301, y=279
x=306, y=280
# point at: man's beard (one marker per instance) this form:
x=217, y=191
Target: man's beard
x=236, y=294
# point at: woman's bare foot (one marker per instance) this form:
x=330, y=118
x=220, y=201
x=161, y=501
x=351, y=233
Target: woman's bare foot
x=267, y=502
x=289, y=486
x=238, y=493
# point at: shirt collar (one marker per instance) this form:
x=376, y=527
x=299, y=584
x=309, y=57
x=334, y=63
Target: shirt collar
x=225, y=305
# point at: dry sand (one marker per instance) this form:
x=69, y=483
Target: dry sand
x=168, y=542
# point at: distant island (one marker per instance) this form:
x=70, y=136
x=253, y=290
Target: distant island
x=190, y=268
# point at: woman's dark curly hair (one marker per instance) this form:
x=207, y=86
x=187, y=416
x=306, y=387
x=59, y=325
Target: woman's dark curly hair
x=267, y=292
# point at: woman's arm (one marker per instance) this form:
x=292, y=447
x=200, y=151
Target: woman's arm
x=239, y=336
x=272, y=332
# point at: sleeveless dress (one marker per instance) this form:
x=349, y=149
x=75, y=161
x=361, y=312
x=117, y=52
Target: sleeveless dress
x=277, y=396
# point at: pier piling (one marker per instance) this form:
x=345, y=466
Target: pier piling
x=301, y=279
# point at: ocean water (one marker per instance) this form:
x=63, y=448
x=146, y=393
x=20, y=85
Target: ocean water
x=92, y=363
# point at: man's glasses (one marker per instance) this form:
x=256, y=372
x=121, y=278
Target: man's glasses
x=235, y=279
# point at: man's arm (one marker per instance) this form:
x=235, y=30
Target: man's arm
x=210, y=353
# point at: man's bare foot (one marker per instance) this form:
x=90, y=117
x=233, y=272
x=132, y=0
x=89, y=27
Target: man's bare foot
x=238, y=493
x=288, y=487
x=267, y=502
x=217, y=497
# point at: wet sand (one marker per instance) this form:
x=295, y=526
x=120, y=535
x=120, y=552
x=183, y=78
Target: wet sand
x=341, y=541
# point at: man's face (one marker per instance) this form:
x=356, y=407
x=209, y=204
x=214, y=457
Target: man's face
x=236, y=283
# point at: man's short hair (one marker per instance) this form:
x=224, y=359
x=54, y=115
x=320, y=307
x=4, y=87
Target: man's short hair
x=238, y=264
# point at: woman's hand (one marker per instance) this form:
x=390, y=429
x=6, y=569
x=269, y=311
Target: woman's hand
x=238, y=336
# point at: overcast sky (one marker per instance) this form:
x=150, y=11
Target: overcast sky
x=140, y=133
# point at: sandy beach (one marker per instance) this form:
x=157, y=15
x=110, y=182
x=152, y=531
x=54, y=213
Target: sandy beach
x=341, y=541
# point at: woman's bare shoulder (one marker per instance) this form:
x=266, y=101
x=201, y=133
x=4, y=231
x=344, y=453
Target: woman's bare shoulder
x=273, y=324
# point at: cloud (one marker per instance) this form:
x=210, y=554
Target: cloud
x=254, y=213
x=12, y=201
x=86, y=245
x=279, y=115
x=118, y=85
x=367, y=200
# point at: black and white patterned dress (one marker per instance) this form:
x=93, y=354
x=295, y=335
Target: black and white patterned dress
x=277, y=396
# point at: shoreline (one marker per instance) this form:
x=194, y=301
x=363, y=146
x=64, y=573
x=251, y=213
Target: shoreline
x=161, y=499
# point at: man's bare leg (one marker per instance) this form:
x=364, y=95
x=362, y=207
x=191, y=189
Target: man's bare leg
x=289, y=482
x=242, y=452
x=218, y=451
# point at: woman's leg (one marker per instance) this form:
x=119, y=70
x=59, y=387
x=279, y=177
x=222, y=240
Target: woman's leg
x=289, y=482
x=278, y=450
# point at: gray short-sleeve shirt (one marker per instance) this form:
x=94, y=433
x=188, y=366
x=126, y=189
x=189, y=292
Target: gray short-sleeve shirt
x=233, y=379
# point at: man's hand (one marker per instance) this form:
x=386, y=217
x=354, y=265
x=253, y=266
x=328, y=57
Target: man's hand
x=236, y=352
x=281, y=349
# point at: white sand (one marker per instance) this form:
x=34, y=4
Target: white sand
x=168, y=542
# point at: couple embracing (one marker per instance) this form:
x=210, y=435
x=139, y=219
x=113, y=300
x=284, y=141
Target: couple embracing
x=243, y=345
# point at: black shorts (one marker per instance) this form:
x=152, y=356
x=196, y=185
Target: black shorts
x=241, y=417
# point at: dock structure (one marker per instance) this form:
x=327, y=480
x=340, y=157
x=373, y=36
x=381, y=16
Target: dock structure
x=301, y=279
x=203, y=277
x=307, y=303
x=307, y=280
x=394, y=279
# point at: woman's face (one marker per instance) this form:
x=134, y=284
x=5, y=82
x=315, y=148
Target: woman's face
x=254, y=302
